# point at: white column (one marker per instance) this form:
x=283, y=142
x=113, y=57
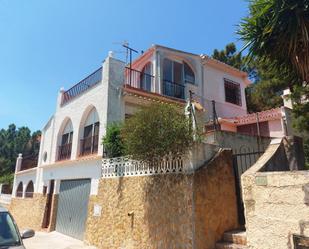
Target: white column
x=17, y=169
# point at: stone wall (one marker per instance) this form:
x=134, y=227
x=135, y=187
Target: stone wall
x=215, y=201
x=277, y=202
x=277, y=206
x=165, y=211
x=160, y=208
x=28, y=212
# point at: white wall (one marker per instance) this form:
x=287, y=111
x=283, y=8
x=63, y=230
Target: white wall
x=106, y=98
x=25, y=177
x=275, y=128
x=214, y=90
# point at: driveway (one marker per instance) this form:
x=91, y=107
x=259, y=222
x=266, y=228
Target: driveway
x=54, y=240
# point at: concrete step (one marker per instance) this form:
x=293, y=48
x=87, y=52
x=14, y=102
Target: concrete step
x=229, y=245
x=236, y=236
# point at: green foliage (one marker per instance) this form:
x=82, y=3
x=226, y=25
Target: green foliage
x=229, y=56
x=277, y=31
x=12, y=142
x=7, y=179
x=112, y=141
x=157, y=131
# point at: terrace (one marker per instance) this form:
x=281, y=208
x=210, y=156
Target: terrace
x=82, y=86
x=145, y=81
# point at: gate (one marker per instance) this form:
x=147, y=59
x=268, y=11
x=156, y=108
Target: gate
x=73, y=207
x=242, y=161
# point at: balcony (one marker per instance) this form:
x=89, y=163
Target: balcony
x=82, y=86
x=173, y=89
x=29, y=162
x=89, y=145
x=64, y=152
x=139, y=80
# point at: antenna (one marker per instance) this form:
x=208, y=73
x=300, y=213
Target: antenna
x=129, y=51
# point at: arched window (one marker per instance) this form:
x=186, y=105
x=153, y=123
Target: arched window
x=175, y=75
x=65, y=148
x=90, y=138
x=189, y=74
x=146, y=77
x=29, y=190
x=20, y=189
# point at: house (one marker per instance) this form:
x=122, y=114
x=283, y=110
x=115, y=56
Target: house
x=68, y=172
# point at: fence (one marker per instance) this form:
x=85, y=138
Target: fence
x=243, y=159
x=123, y=166
x=137, y=79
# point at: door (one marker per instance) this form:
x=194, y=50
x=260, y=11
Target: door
x=73, y=207
x=48, y=207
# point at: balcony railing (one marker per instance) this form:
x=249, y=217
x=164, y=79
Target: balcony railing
x=173, y=89
x=89, y=145
x=64, y=152
x=137, y=79
x=29, y=162
x=82, y=86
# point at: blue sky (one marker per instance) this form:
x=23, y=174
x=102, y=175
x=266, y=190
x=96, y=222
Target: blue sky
x=48, y=44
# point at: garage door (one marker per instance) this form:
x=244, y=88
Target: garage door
x=73, y=207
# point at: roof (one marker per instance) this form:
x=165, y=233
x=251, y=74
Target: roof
x=271, y=114
x=205, y=58
x=2, y=209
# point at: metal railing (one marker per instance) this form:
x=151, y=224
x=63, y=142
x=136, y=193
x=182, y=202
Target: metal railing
x=29, y=162
x=64, y=152
x=89, y=145
x=139, y=80
x=173, y=89
x=82, y=86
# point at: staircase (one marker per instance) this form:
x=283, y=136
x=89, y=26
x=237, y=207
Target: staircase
x=235, y=239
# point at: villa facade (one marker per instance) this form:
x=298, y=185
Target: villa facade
x=69, y=166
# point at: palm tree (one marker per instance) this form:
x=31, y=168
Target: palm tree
x=278, y=30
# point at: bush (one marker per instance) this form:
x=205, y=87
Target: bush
x=157, y=131
x=112, y=141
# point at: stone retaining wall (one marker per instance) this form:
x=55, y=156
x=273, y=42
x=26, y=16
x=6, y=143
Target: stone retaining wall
x=165, y=211
x=28, y=212
x=276, y=203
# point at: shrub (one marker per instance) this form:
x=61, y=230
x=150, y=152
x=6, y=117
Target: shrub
x=157, y=131
x=112, y=141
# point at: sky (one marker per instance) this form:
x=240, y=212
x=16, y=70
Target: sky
x=46, y=45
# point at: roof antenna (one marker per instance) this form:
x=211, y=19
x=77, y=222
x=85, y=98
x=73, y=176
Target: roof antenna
x=129, y=52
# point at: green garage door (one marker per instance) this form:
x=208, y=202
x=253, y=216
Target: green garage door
x=73, y=207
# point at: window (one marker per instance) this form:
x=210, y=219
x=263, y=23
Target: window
x=29, y=190
x=8, y=232
x=20, y=189
x=232, y=92
x=189, y=74
x=175, y=75
x=64, y=150
x=146, y=77
x=90, y=140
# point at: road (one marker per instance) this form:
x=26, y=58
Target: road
x=54, y=240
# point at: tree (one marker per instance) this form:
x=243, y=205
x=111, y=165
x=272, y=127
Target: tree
x=230, y=56
x=157, y=131
x=277, y=31
x=112, y=141
x=12, y=142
